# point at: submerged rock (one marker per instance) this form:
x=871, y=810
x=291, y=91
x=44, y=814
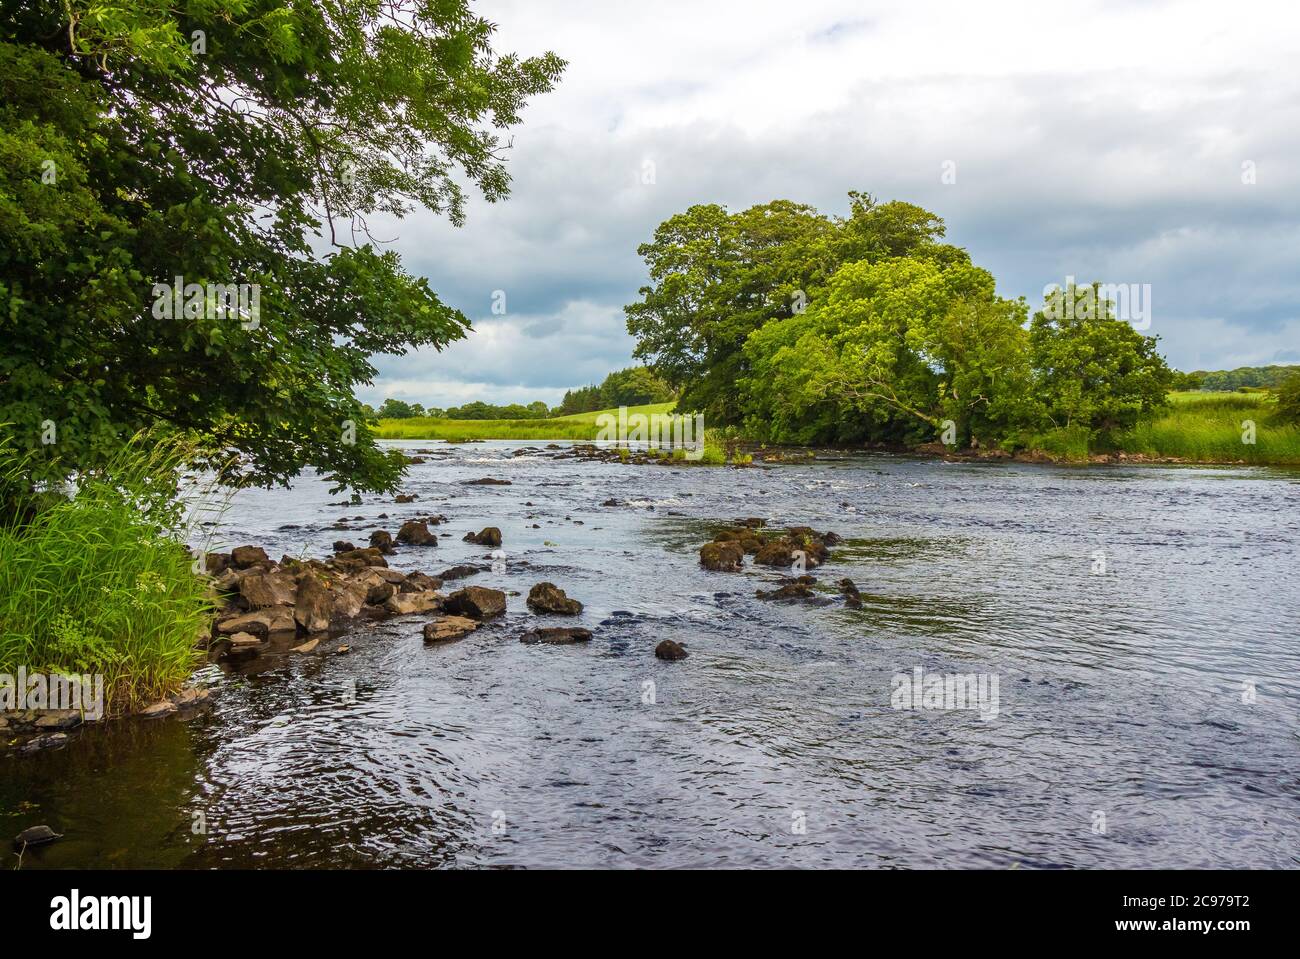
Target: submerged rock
x=852, y=598
x=35, y=836
x=159, y=709
x=486, y=481
x=460, y=572
x=549, y=598
x=47, y=741
x=556, y=635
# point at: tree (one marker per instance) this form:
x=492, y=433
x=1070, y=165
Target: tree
x=216, y=146
x=893, y=349
x=1092, y=370
x=1288, y=398
x=716, y=277
x=634, y=386
x=395, y=409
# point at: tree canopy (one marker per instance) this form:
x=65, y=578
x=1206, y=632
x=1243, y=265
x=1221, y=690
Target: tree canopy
x=184, y=194
x=809, y=328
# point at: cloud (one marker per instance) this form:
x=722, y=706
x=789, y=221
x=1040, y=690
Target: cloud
x=1094, y=139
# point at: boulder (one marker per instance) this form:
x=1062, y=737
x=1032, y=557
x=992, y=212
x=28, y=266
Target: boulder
x=416, y=533
x=266, y=588
x=344, y=546
x=382, y=540
x=307, y=647
x=313, y=604
x=670, y=650
x=404, y=498
x=556, y=635
x=722, y=557
x=486, y=481
x=549, y=598
x=349, y=598
x=488, y=536
x=476, y=602
x=245, y=556
x=448, y=628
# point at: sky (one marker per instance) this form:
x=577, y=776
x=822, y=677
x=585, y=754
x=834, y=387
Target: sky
x=1125, y=141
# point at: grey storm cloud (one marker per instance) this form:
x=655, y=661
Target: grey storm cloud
x=1167, y=160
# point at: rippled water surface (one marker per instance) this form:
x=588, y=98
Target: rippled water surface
x=775, y=743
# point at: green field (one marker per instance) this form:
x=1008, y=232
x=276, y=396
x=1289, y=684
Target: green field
x=1208, y=427
x=579, y=426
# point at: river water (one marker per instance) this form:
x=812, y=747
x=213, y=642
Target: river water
x=1146, y=712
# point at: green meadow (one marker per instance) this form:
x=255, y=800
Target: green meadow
x=1208, y=427
x=579, y=426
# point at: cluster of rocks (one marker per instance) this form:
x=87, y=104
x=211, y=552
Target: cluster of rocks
x=798, y=546
x=267, y=602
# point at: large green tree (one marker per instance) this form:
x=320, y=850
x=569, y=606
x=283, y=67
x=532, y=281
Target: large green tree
x=716, y=277
x=1093, y=371
x=893, y=350
x=228, y=142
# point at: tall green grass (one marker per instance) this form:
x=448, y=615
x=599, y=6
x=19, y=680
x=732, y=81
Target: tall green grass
x=100, y=581
x=1209, y=427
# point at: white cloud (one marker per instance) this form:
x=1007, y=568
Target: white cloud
x=1098, y=139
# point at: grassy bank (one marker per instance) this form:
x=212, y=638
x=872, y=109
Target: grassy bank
x=578, y=427
x=100, y=584
x=1208, y=427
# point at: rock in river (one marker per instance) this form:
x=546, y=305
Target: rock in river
x=556, y=635
x=670, y=650
x=416, y=533
x=35, y=836
x=723, y=557
x=488, y=536
x=448, y=628
x=549, y=598
x=476, y=602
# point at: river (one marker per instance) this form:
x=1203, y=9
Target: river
x=1141, y=624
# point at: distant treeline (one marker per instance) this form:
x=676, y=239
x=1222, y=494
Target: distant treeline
x=633, y=386
x=1243, y=377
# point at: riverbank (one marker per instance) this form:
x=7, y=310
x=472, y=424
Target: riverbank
x=1197, y=428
